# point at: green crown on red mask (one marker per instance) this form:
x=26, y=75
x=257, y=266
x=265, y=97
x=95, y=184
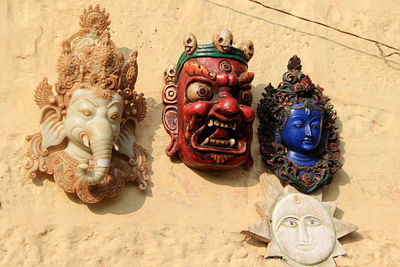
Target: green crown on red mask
x=221, y=47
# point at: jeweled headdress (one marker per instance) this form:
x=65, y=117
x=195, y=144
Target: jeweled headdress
x=273, y=110
x=89, y=58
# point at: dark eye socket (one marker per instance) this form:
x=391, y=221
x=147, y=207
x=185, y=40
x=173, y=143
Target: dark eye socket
x=244, y=97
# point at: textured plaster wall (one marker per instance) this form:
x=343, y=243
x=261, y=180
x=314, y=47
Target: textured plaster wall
x=192, y=218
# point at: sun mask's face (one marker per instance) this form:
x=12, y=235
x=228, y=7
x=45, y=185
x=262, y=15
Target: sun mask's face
x=302, y=130
x=303, y=229
x=215, y=118
x=299, y=228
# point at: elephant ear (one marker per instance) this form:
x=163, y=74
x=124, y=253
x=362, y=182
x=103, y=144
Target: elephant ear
x=51, y=126
x=126, y=138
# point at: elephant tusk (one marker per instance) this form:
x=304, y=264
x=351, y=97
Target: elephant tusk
x=103, y=163
x=115, y=146
x=85, y=140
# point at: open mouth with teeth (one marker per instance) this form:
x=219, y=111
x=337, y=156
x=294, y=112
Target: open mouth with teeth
x=219, y=136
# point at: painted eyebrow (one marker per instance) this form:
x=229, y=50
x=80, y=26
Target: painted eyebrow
x=305, y=217
x=85, y=98
x=288, y=217
x=298, y=117
x=114, y=102
x=308, y=217
x=316, y=117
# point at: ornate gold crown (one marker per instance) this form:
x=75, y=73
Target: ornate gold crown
x=90, y=60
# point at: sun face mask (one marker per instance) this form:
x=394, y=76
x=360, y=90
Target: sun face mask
x=299, y=228
x=207, y=100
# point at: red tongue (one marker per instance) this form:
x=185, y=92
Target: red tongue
x=220, y=134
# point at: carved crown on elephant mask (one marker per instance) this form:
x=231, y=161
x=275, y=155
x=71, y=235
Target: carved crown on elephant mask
x=87, y=129
x=207, y=98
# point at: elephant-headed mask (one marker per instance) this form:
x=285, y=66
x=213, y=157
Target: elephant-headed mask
x=87, y=129
x=298, y=138
x=207, y=98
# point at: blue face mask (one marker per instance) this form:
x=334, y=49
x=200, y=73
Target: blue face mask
x=301, y=134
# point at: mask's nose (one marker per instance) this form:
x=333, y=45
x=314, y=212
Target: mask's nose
x=226, y=104
x=308, y=132
x=303, y=233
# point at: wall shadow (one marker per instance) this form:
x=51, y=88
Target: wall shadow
x=341, y=178
x=351, y=238
x=130, y=200
x=40, y=177
x=255, y=242
x=147, y=128
x=238, y=177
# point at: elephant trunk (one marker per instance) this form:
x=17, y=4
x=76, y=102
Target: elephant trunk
x=101, y=150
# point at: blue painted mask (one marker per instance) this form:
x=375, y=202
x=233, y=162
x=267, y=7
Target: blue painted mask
x=301, y=134
x=298, y=139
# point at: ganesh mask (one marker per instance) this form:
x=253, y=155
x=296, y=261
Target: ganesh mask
x=86, y=140
x=207, y=100
x=298, y=139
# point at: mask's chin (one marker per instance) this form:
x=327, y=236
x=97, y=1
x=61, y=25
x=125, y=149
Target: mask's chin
x=218, y=136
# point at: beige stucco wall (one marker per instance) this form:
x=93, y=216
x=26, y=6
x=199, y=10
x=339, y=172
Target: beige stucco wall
x=192, y=218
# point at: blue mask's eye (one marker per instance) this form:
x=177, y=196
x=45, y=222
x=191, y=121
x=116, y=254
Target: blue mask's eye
x=316, y=124
x=298, y=124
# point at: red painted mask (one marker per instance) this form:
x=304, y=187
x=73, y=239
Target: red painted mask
x=208, y=99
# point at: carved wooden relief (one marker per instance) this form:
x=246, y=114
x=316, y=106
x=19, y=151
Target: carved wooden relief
x=299, y=228
x=87, y=126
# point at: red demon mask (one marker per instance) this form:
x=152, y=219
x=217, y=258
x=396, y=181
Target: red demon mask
x=207, y=101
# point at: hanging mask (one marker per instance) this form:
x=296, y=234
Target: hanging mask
x=207, y=98
x=298, y=138
x=87, y=128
